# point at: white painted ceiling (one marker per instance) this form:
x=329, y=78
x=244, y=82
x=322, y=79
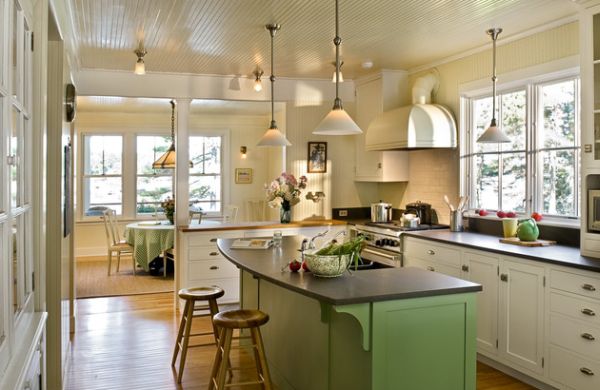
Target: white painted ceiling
x=228, y=36
x=154, y=105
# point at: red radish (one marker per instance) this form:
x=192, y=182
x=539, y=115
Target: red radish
x=483, y=213
x=305, y=267
x=537, y=216
x=511, y=214
x=501, y=214
x=295, y=265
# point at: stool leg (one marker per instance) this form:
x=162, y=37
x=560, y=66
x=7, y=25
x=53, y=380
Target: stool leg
x=256, y=337
x=180, y=333
x=118, y=260
x=186, y=339
x=214, y=310
x=224, y=362
x=109, y=261
x=133, y=265
x=217, y=361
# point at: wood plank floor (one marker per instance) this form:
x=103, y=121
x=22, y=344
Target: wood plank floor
x=127, y=343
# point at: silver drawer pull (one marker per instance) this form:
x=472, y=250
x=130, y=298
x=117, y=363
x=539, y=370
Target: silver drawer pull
x=213, y=240
x=586, y=371
x=214, y=253
x=214, y=267
x=588, y=312
x=588, y=287
x=431, y=252
x=430, y=268
x=588, y=336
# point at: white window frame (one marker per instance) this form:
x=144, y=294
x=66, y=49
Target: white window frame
x=534, y=177
x=224, y=135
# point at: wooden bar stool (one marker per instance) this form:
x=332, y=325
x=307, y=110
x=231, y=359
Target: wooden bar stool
x=227, y=322
x=191, y=296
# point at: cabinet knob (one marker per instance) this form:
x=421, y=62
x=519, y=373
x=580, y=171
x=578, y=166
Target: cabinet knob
x=430, y=268
x=588, y=336
x=431, y=252
x=214, y=267
x=465, y=268
x=588, y=312
x=213, y=240
x=214, y=253
x=504, y=277
x=586, y=371
x=588, y=287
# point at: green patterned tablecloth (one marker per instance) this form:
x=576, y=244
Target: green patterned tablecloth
x=149, y=241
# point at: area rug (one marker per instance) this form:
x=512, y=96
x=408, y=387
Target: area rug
x=92, y=280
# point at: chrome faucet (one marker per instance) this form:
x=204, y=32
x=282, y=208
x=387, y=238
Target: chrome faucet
x=311, y=244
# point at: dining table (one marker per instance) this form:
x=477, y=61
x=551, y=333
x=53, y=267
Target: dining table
x=149, y=240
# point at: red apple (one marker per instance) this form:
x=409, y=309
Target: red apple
x=483, y=213
x=537, y=216
x=511, y=214
x=305, y=267
x=295, y=265
x=501, y=214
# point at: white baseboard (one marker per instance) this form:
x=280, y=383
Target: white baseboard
x=90, y=251
x=514, y=373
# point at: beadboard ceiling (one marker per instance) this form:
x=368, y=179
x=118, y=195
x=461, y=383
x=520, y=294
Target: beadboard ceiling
x=228, y=37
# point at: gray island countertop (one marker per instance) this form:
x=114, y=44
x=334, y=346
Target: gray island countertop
x=359, y=287
x=556, y=254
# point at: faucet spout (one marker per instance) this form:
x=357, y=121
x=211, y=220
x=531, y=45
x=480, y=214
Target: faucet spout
x=311, y=244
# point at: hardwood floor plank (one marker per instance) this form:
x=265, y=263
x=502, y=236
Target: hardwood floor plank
x=126, y=343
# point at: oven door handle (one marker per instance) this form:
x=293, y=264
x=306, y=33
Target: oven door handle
x=391, y=257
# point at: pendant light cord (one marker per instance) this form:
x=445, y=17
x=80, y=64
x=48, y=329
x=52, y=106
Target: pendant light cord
x=494, y=32
x=272, y=78
x=172, y=121
x=337, y=104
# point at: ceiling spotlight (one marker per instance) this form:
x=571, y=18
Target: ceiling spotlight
x=334, y=72
x=140, y=67
x=257, y=81
x=368, y=64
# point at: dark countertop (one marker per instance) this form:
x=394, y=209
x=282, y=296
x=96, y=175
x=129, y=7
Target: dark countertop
x=556, y=254
x=382, y=284
x=258, y=225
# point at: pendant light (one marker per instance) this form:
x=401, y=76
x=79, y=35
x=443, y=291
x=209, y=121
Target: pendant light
x=493, y=134
x=168, y=159
x=140, y=66
x=273, y=137
x=337, y=122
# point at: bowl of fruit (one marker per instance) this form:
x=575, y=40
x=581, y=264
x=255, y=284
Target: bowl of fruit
x=333, y=259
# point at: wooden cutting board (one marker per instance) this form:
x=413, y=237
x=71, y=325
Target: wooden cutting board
x=516, y=241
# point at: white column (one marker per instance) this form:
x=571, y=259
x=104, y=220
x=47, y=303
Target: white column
x=182, y=190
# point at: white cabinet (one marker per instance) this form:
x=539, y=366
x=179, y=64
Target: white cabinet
x=521, y=313
x=374, y=95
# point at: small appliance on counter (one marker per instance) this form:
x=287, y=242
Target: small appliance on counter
x=381, y=212
x=421, y=210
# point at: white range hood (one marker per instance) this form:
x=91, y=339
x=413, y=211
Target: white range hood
x=419, y=126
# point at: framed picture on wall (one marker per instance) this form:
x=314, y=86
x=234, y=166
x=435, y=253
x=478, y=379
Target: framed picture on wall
x=243, y=175
x=317, y=157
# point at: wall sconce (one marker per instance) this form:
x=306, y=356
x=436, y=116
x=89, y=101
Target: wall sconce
x=316, y=197
x=257, y=81
x=243, y=151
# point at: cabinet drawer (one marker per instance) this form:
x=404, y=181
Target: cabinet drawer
x=211, y=269
x=435, y=267
x=576, y=336
x=573, y=371
x=231, y=286
x=205, y=253
x=210, y=239
x=433, y=252
x=577, y=284
x=583, y=309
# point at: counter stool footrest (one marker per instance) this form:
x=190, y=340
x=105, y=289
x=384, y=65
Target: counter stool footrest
x=244, y=383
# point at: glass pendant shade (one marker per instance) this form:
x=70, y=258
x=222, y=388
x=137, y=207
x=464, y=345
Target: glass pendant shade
x=493, y=135
x=140, y=67
x=333, y=79
x=257, y=85
x=273, y=137
x=167, y=160
x=337, y=122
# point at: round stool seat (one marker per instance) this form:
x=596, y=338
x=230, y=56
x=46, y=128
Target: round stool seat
x=201, y=293
x=239, y=319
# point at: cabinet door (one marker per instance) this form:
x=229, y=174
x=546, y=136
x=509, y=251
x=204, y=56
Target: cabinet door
x=368, y=105
x=521, y=313
x=483, y=269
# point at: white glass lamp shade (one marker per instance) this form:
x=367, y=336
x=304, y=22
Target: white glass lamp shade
x=273, y=137
x=337, y=122
x=257, y=85
x=493, y=135
x=140, y=67
x=341, y=77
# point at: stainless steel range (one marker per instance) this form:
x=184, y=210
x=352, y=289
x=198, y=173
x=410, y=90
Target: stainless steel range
x=384, y=241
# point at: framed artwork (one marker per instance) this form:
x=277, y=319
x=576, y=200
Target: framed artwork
x=317, y=157
x=243, y=175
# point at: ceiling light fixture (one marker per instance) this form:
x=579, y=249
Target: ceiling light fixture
x=168, y=159
x=493, y=134
x=337, y=122
x=335, y=73
x=140, y=67
x=257, y=81
x=273, y=137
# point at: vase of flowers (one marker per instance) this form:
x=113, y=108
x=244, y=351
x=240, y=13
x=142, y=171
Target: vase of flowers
x=168, y=206
x=284, y=192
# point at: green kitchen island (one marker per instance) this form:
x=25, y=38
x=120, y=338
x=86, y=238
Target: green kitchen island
x=379, y=329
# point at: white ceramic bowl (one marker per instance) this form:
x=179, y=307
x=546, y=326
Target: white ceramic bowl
x=327, y=266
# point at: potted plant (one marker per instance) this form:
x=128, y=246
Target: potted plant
x=284, y=192
x=168, y=206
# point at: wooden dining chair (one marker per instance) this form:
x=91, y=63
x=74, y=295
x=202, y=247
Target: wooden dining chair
x=230, y=213
x=256, y=210
x=114, y=242
x=168, y=254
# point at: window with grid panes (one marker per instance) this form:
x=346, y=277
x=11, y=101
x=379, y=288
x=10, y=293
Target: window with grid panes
x=152, y=185
x=102, y=173
x=205, y=176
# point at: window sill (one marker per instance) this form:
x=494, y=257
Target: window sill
x=556, y=222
